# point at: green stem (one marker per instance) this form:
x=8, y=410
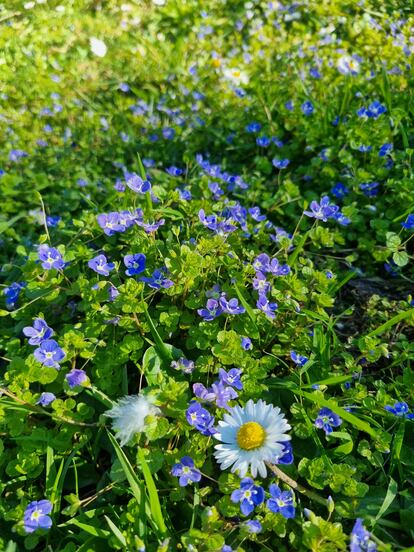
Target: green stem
x=296, y=486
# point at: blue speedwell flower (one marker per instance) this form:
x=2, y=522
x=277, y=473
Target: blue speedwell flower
x=186, y=471
x=157, y=280
x=12, y=293
x=100, y=265
x=280, y=163
x=36, y=516
x=231, y=306
x=246, y=343
x=39, y=332
x=49, y=354
x=248, y=495
x=50, y=257
x=307, y=108
x=327, y=420
x=135, y=264
x=400, y=409
x=200, y=418
x=360, y=539
x=137, y=184
x=264, y=305
x=211, y=311
x=298, y=359
x=186, y=366
x=46, y=398
x=76, y=377
x=409, y=223
x=253, y=526
x=281, y=502
x=232, y=377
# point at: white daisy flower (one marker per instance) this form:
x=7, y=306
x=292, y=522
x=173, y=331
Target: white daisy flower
x=348, y=65
x=236, y=76
x=129, y=415
x=251, y=436
x=98, y=47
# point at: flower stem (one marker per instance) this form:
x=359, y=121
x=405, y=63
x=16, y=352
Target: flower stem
x=296, y=486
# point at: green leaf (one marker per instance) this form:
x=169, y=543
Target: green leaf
x=154, y=500
x=389, y=324
x=400, y=258
x=116, y=532
x=389, y=498
x=393, y=241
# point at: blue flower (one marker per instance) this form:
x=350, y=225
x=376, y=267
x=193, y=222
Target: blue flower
x=123, y=86
x=263, y=141
x=137, y=184
x=260, y=283
x=150, y=227
x=375, y=109
x=277, y=269
x=16, y=154
x=45, y=399
x=246, y=343
x=248, y=495
x=50, y=257
x=38, y=332
x=286, y=456
x=49, y=354
x=253, y=127
x=223, y=394
x=339, y=190
x=200, y=418
x=174, y=171
x=231, y=306
x=100, y=265
x=360, y=539
x=364, y=148
x=370, y=189
x=76, y=377
x=36, y=516
x=211, y=311
x=409, y=223
x=254, y=212
x=280, y=163
x=110, y=223
x=253, y=526
x=298, y=359
x=262, y=263
x=281, y=502
x=264, y=305
x=385, y=149
x=232, y=377
x=307, y=108
x=183, y=364
x=321, y=211
x=135, y=264
x=186, y=471
x=157, y=280
x=53, y=221
x=327, y=420
x=12, y=292
x=400, y=409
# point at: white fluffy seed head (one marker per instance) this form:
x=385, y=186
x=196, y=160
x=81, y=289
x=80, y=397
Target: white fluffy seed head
x=129, y=415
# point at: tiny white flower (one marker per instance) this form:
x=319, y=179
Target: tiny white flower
x=129, y=415
x=250, y=436
x=98, y=47
x=235, y=76
x=348, y=65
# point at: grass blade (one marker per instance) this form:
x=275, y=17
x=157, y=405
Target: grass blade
x=153, y=494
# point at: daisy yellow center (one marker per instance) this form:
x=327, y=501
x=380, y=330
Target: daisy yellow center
x=251, y=436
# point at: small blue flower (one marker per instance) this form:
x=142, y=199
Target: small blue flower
x=262, y=263
x=100, y=265
x=248, y=495
x=110, y=223
x=264, y=305
x=400, y=409
x=53, y=221
x=246, y=343
x=174, y=171
x=263, y=141
x=321, y=211
x=76, y=377
x=49, y=354
x=370, y=189
x=12, y=293
x=409, y=223
x=307, y=108
x=360, y=539
x=253, y=526
x=339, y=190
x=45, y=399
x=231, y=306
x=286, y=456
x=157, y=280
x=281, y=502
x=135, y=264
x=50, y=257
x=280, y=163
x=137, y=184
x=232, y=377
x=327, y=420
x=253, y=127
x=298, y=359
x=385, y=149
x=200, y=418
x=186, y=471
x=36, y=516
x=184, y=365
x=38, y=332
x=211, y=311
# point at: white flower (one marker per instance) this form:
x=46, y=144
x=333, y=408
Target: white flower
x=251, y=436
x=98, y=47
x=129, y=416
x=235, y=76
x=348, y=65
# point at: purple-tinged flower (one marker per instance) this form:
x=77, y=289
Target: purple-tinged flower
x=157, y=280
x=286, y=456
x=211, y=311
x=262, y=263
x=45, y=399
x=12, y=293
x=135, y=264
x=223, y=394
x=298, y=359
x=254, y=212
x=36, y=516
x=232, y=377
x=370, y=189
x=409, y=223
x=263, y=141
x=400, y=409
x=110, y=223
x=364, y=148
x=15, y=155
x=137, y=184
x=209, y=221
x=385, y=149
x=253, y=526
x=174, y=171
x=341, y=218
x=150, y=227
x=49, y=354
x=214, y=292
x=339, y=190
x=119, y=185
x=360, y=539
x=168, y=133
x=246, y=343
x=289, y=105
x=253, y=127
x=186, y=471
x=375, y=109
x=203, y=393
x=231, y=306
x=321, y=211
x=100, y=265
x=184, y=193
x=38, y=332
x=327, y=420
x=264, y=305
x=227, y=548
x=281, y=502
x=248, y=495
x=112, y=293
x=76, y=377
x=200, y=418
x=184, y=365
x=277, y=269
x=53, y=220
x=280, y=163
x=307, y=108
x=50, y=257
